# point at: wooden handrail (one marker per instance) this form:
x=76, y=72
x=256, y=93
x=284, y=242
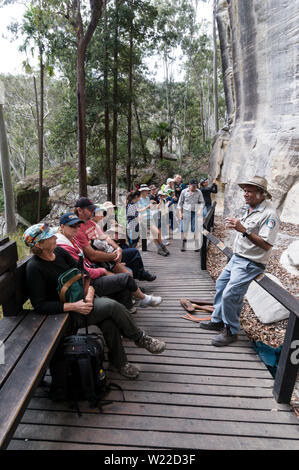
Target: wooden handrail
x=288, y=363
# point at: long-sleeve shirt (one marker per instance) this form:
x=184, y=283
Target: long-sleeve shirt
x=206, y=192
x=74, y=250
x=42, y=280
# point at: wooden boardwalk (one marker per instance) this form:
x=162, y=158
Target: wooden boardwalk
x=193, y=396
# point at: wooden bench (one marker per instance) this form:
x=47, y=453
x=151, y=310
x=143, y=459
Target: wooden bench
x=27, y=342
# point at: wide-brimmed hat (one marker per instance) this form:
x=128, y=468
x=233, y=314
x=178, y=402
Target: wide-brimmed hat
x=100, y=208
x=259, y=182
x=37, y=233
x=144, y=187
x=70, y=219
x=108, y=205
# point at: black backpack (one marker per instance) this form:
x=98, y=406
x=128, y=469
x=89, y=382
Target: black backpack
x=77, y=371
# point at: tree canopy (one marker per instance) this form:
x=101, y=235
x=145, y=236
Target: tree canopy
x=95, y=101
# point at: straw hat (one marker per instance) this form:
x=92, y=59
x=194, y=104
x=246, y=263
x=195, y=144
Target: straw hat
x=259, y=182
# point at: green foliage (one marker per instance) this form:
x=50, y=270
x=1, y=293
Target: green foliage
x=159, y=26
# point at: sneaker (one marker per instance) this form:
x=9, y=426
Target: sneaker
x=129, y=371
x=152, y=345
x=152, y=302
x=161, y=252
x=224, y=338
x=146, y=276
x=212, y=325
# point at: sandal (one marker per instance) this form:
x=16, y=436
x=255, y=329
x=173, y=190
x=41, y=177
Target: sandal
x=195, y=319
x=203, y=308
x=187, y=305
x=201, y=302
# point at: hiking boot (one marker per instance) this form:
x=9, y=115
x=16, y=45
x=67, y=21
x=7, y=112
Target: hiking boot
x=161, y=252
x=183, y=245
x=146, y=276
x=224, y=338
x=165, y=249
x=211, y=325
x=152, y=301
x=152, y=345
x=129, y=371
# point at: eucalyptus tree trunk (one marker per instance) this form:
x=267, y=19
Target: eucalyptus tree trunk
x=41, y=134
x=83, y=39
x=106, y=106
x=215, y=67
x=129, y=158
x=140, y=133
x=115, y=103
x=10, y=220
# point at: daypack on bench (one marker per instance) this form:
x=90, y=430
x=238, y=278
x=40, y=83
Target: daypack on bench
x=77, y=371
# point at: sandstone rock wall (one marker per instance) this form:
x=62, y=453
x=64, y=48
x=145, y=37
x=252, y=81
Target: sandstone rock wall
x=260, y=49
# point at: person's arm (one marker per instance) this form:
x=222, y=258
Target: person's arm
x=81, y=306
x=253, y=237
x=117, y=249
x=96, y=256
x=180, y=205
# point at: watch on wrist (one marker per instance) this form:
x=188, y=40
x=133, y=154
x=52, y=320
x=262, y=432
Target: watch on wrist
x=247, y=232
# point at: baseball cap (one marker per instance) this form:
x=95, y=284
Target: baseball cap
x=203, y=180
x=70, y=219
x=83, y=202
x=37, y=233
x=193, y=181
x=169, y=180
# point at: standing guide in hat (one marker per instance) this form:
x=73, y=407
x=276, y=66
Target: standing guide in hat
x=84, y=208
x=206, y=190
x=42, y=272
x=190, y=205
x=256, y=233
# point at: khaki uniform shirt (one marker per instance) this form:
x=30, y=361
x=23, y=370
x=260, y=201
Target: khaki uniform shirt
x=263, y=221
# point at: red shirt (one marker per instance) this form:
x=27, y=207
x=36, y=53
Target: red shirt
x=86, y=233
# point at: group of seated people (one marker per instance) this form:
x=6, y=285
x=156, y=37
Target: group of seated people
x=112, y=262
x=113, y=288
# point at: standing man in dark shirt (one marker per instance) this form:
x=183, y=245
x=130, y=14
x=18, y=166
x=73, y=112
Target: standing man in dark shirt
x=206, y=190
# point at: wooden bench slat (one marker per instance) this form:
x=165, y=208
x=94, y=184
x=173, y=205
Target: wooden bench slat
x=8, y=325
x=18, y=388
x=8, y=256
x=19, y=341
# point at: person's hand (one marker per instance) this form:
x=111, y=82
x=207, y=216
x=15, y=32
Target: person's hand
x=118, y=252
x=235, y=224
x=108, y=273
x=84, y=308
x=112, y=256
x=181, y=216
x=214, y=181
